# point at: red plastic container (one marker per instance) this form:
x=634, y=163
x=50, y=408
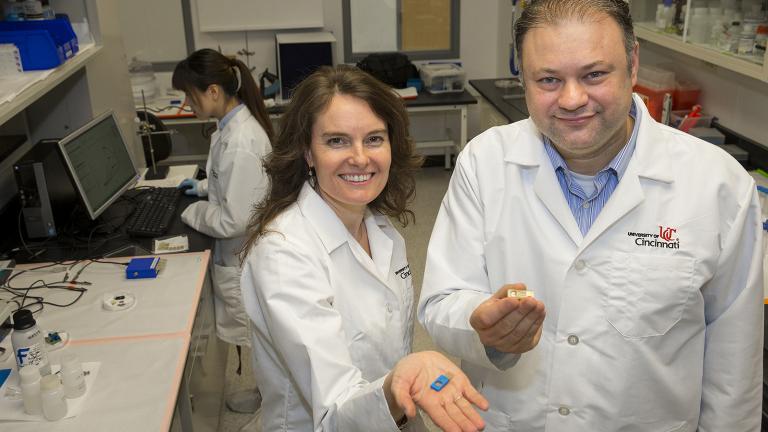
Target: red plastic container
x=653, y=98
x=686, y=95
x=652, y=84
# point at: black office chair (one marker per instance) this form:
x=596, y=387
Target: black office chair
x=161, y=143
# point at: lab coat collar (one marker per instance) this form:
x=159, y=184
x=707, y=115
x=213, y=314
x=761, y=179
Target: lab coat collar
x=527, y=149
x=321, y=216
x=334, y=234
x=233, y=124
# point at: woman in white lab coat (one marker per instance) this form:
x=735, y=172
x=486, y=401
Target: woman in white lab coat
x=326, y=279
x=222, y=88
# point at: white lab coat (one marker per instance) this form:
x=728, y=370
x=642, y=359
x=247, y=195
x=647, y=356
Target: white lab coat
x=236, y=181
x=330, y=321
x=636, y=338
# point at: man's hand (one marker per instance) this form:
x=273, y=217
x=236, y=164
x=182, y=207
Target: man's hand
x=508, y=324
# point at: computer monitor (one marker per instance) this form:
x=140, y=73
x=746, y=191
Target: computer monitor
x=300, y=54
x=99, y=163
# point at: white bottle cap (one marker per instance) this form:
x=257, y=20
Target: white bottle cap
x=50, y=382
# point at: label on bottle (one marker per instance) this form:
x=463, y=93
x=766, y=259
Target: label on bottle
x=33, y=355
x=33, y=9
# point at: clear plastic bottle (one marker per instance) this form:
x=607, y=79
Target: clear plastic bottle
x=661, y=21
x=730, y=40
x=52, y=396
x=72, y=376
x=746, y=44
x=38, y=10
x=718, y=32
x=30, y=389
x=698, y=26
x=13, y=10
x=28, y=344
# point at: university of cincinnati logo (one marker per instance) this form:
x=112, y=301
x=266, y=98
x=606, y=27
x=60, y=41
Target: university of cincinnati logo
x=664, y=239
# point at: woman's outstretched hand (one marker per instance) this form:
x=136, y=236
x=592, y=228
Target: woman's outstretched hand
x=453, y=407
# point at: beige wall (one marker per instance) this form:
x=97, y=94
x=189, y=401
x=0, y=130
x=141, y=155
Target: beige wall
x=107, y=75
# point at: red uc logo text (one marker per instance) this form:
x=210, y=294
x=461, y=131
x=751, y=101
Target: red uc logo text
x=666, y=233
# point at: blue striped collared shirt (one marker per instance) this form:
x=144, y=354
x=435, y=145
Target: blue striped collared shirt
x=228, y=116
x=586, y=208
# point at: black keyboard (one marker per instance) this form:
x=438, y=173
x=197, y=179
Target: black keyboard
x=154, y=212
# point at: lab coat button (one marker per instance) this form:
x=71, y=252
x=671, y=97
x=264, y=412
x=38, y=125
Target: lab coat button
x=564, y=411
x=389, y=308
x=573, y=340
x=580, y=265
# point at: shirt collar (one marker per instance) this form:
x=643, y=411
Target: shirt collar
x=327, y=224
x=228, y=116
x=618, y=164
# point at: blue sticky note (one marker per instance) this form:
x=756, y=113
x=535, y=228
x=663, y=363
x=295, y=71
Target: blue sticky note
x=4, y=373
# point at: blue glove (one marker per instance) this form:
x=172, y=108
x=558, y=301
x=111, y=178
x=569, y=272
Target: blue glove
x=189, y=186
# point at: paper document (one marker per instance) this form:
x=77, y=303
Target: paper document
x=176, y=174
x=407, y=93
x=179, y=243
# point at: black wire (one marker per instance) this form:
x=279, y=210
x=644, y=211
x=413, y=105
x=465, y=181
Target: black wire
x=109, y=262
x=24, y=292
x=21, y=237
x=183, y=108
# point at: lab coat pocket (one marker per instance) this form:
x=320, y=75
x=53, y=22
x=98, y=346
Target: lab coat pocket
x=646, y=294
x=495, y=420
x=365, y=355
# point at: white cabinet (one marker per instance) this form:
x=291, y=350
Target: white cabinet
x=644, y=16
x=95, y=80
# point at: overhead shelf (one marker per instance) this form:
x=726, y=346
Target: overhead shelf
x=38, y=89
x=648, y=32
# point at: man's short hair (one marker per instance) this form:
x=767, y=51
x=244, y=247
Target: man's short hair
x=547, y=12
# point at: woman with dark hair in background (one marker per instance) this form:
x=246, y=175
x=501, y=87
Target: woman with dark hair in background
x=218, y=87
x=326, y=280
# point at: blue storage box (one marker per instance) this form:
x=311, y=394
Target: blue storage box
x=42, y=44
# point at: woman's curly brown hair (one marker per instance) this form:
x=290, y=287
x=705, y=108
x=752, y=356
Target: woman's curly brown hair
x=287, y=168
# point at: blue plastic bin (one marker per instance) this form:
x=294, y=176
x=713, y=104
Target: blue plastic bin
x=42, y=44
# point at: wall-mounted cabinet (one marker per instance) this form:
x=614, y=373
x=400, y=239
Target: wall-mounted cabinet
x=706, y=31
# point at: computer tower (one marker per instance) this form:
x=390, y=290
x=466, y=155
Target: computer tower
x=45, y=190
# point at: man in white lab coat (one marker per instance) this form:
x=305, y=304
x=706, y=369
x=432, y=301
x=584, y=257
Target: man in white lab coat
x=641, y=244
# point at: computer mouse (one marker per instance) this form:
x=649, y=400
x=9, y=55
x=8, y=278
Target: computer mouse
x=185, y=187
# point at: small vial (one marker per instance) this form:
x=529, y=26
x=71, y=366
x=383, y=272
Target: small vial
x=72, y=376
x=52, y=396
x=30, y=389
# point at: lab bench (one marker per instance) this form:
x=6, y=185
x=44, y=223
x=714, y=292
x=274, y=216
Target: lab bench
x=448, y=141
x=160, y=360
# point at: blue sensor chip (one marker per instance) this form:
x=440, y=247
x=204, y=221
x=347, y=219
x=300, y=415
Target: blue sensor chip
x=439, y=383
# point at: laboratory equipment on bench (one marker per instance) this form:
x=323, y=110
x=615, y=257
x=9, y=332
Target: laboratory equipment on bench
x=443, y=78
x=268, y=91
x=150, y=126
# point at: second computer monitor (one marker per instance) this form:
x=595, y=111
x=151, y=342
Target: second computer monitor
x=99, y=163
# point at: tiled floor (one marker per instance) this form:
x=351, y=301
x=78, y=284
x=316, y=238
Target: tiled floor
x=431, y=184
